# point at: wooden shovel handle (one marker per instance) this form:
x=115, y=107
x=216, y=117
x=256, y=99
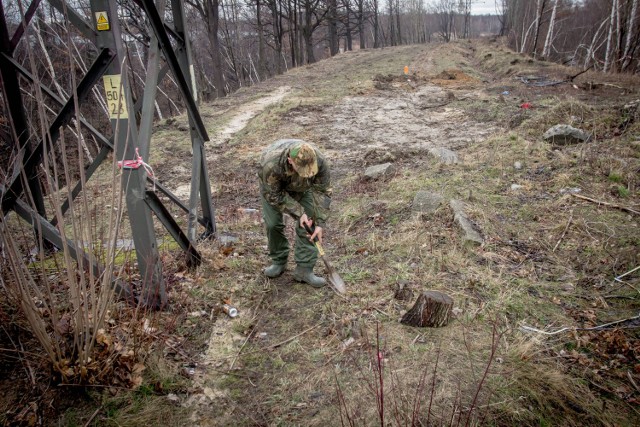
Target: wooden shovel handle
x=310, y=230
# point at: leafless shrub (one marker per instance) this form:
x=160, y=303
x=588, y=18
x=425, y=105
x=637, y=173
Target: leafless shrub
x=67, y=294
x=397, y=405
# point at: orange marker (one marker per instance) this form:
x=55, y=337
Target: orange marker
x=406, y=69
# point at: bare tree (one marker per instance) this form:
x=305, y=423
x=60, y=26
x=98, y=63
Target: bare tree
x=540, y=10
x=348, y=37
x=376, y=23
x=209, y=10
x=398, y=22
x=626, y=56
x=360, y=21
x=332, y=24
x=465, y=10
x=610, y=43
x=277, y=33
x=445, y=11
x=548, y=41
x=313, y=17
x=262, y=68
x=392, y=22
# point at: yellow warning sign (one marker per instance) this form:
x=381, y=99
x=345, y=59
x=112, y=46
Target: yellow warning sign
x=115, y=97
x=102, y=21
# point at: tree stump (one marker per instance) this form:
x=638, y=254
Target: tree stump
x=432, y=309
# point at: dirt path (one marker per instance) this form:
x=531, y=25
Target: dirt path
x=248, y=111
x=400, y=120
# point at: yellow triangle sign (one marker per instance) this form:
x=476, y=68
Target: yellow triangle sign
x=102, y=22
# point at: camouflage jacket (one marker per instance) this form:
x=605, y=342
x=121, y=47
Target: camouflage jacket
x=282, y=187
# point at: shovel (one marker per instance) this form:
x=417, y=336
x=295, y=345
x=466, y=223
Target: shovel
x=334, y=278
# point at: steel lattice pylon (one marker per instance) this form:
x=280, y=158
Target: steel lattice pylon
x=130, y=140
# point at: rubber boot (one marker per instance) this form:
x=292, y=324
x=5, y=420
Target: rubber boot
x=274, y=270
x=305, y=274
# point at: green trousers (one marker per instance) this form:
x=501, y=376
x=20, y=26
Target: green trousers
x=305, y=253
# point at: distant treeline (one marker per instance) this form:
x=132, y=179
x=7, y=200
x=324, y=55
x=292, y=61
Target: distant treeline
x=237, y=43
x=598, y=34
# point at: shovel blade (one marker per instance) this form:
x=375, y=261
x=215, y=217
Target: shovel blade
x=337, y=282
x=334, y=278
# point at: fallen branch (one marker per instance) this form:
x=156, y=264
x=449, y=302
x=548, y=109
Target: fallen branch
x=271, y=346
x=233, y=362
x=92, y=417
x=581, y=72
x=611, y=205
x=564, y=232
x=294, y=337
x=632, y=381
x=525, y=328
x=617, y=279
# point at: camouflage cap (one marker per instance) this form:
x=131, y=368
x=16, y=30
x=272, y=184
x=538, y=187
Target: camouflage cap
x=304, y=159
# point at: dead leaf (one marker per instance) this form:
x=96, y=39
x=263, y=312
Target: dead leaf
x=136, y=381
x=138, y=368
x=227, y=250
x=147, y=327
x=103, y=338
x=63, y=327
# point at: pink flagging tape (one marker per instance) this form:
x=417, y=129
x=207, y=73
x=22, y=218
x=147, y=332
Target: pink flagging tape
x=136, y=163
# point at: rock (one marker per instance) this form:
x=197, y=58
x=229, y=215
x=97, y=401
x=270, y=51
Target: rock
x=445, y=155
x=227, y=239
x=570, y=190
x=426, y=202
x=517, y=165
x=388, y=157
x=515, y=187
x=471, y=234
x=346, y=343
x=377, y=171
x=565, y=135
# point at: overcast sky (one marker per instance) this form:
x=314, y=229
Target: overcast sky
x=481, y=7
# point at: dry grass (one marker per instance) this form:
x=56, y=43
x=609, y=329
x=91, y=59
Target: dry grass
x=547, y=262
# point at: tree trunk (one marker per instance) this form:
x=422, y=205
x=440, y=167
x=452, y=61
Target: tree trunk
x=376, y=25
x=361, y=24
x=334, y=48
x=347, y=29
x=432, y=309
x=541, y=6
x=307, y=32
x=546, y=50
x=293, y=33
x=213, y=17
x=467, y=19
x=276, y=20
x=262, y=68
x=300, y=36
x=608, y=54
x=398, y=28
x=630, y=32
x=593, y=46
x=392, y=30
